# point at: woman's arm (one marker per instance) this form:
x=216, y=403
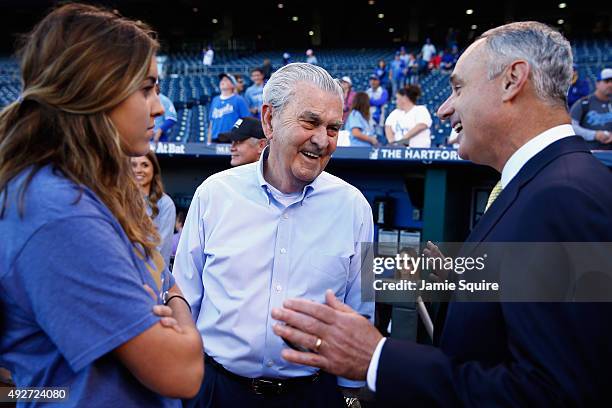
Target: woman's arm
x=390, y=134
x=412, y=133
x=164, y=360
x=358, y=134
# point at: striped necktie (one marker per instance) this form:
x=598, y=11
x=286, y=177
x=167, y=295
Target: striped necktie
x=494, y=193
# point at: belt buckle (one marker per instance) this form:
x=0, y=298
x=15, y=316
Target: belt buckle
x=262, y=386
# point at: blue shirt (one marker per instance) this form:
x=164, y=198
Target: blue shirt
x=254, y=98
x=169, y=112
x=576, y=91
x=164, y=222
x=383, y=75
x=71, y=290
x=356, y=120
x=242, y=252
x=397, y=69
x=224, y=113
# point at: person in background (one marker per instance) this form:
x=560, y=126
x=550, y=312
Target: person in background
x=225, y=108
x=428, y=50
x=208, y=57
x=578, y=88
x=378, y=99
x=412, y=70
x=247, y=139
x=239, y=90
x=436, y=61
x=347, y=87
x=87, y=302
x=286, y=58
x=165, y=122
x=311, y=58
x=254, y=93
x=409, y=123
x=397, y=73
x=404, y=56
x=382, y=72
x=178, y=229
x=358, y=122
x=449, y=59
x=267, y=68
x=592, y=114
x=160, y=206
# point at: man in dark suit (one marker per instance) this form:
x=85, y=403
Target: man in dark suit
x=508, y=105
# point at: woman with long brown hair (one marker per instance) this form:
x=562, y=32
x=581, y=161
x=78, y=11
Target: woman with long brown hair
x=160, y=207
x=80, y=276
x=358, y=122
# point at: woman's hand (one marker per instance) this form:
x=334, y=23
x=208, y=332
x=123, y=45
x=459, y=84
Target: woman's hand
x=165, y=312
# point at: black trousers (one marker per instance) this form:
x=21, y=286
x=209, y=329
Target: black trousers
x=222, y=391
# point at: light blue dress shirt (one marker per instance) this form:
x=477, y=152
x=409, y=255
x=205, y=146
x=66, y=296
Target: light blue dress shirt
x=242, y=253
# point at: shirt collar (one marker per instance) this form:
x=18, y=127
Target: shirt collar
x=308, y=189
x=531, y=148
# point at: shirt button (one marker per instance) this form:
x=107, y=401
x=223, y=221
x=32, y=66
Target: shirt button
x=283, y=251
x=286, y=216
x=279, y=288
x=270, y=363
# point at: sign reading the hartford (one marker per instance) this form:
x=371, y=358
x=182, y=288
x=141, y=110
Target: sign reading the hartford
x=414, y=154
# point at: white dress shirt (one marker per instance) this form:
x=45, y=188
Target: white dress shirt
x=514, y=164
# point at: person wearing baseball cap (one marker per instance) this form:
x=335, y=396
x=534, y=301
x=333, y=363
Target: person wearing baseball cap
x=349, y=95
x=578, y=88
x=592, y=114
x=225, y=108
x=247, y=139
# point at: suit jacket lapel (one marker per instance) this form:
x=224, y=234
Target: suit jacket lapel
x=525, y=175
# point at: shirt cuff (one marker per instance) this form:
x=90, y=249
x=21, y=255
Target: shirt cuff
x=373, y=368
x=343, y=382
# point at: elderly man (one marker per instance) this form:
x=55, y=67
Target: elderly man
x=248, y=141
x=263, y=232
x=508, y=103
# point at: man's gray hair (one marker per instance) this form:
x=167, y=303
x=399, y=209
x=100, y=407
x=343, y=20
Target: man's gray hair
x=280, y=88
x=547, y=51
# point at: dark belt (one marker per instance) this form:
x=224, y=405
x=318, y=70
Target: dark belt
x=264, y=385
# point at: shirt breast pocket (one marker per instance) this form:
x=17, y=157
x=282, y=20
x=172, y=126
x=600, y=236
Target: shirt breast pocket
x=328, y=272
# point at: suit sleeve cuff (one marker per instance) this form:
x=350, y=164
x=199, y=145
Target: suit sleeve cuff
x=373, y=368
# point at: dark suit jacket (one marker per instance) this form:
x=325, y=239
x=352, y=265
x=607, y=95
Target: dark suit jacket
x=520, y=354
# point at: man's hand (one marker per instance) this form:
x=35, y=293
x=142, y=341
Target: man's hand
x=348, y=340
x=603, y=136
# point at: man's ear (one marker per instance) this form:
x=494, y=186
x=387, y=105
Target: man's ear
x=266, y=121
x=261, y=144
x=514, y=79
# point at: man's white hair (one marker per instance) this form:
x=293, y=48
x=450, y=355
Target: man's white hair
x=280, y=88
